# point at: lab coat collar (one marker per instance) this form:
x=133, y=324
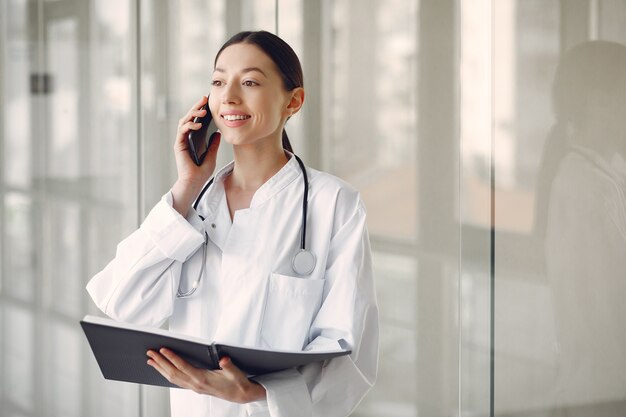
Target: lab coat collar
x=289, y=172
x=209, y=205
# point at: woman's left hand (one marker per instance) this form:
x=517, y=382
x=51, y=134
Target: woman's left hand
x=228, y=383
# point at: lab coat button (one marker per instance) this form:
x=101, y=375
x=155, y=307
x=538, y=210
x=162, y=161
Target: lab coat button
x=213, y=225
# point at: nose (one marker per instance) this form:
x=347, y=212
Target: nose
x=230, y=93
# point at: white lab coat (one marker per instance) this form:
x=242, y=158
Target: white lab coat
x=250, y=295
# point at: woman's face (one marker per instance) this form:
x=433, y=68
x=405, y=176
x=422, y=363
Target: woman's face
x=248, y=99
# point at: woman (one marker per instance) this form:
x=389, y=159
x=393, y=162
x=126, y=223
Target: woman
x=247, y=290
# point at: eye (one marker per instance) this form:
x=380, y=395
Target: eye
x=216, y=83
x=250, y=83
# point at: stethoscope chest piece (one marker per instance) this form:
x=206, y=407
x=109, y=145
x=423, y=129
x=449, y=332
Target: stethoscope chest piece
x=303, y=262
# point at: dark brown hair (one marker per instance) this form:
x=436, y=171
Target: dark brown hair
x=280, y=53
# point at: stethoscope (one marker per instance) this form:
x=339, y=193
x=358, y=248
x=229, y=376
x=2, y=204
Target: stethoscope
x=303, y=261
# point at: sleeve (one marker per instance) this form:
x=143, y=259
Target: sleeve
x=139, y=285
x=348, y=318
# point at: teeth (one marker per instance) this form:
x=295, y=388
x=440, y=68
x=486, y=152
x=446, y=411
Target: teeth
x=231, y=117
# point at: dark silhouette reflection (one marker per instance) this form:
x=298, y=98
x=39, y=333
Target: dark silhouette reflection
x=582, y=220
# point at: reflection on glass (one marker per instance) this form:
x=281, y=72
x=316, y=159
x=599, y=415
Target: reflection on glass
x=559, y=262
x=585, y=228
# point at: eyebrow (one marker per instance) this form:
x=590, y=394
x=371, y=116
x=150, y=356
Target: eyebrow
x=245, y=70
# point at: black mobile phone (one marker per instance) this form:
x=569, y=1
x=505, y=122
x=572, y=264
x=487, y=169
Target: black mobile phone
x=200, y=140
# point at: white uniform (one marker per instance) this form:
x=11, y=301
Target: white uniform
x=249, y=294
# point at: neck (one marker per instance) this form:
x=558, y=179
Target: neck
x=255, y=165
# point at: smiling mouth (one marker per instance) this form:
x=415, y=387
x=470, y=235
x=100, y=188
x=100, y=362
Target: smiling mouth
x=233, y=117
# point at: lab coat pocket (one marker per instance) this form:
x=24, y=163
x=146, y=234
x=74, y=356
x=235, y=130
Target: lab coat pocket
x=290, y=307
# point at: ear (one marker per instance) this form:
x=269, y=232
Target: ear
x=296, y=101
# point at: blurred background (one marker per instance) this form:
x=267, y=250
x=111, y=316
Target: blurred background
x=487, y=138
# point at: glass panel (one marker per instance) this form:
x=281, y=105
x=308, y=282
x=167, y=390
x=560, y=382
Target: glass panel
x=62, y=370
x=109, y=152
x=63, y=252
x=104, y=231
x=560, y=171
x=191, y=73
x=475, y=215
x=291, y=16
x=19, y=252
x=612, y=15
x=382, y=138
x=19, y=52
x=525, y=53
x=585, y=228
x=19, y=358
x=394, y=392
x=259, y=15
x=73, y=63
x=476, y=112
x=62, y=56
x=372, y=113
x=175, y=78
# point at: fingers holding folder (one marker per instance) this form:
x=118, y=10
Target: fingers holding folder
x=228, y=383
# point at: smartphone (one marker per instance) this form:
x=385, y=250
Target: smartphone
x=200, y=140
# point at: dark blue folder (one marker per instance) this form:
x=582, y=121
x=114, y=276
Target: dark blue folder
x=120, y=350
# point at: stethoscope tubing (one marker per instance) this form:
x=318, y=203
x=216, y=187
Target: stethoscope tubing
x=303, y=254
x=305, y=201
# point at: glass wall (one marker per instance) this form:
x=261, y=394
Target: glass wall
x=568, y=138
x=486, y=137
x=543, y=148
x=68, y=192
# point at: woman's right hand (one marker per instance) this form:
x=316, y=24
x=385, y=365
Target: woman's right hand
x=191, y=177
